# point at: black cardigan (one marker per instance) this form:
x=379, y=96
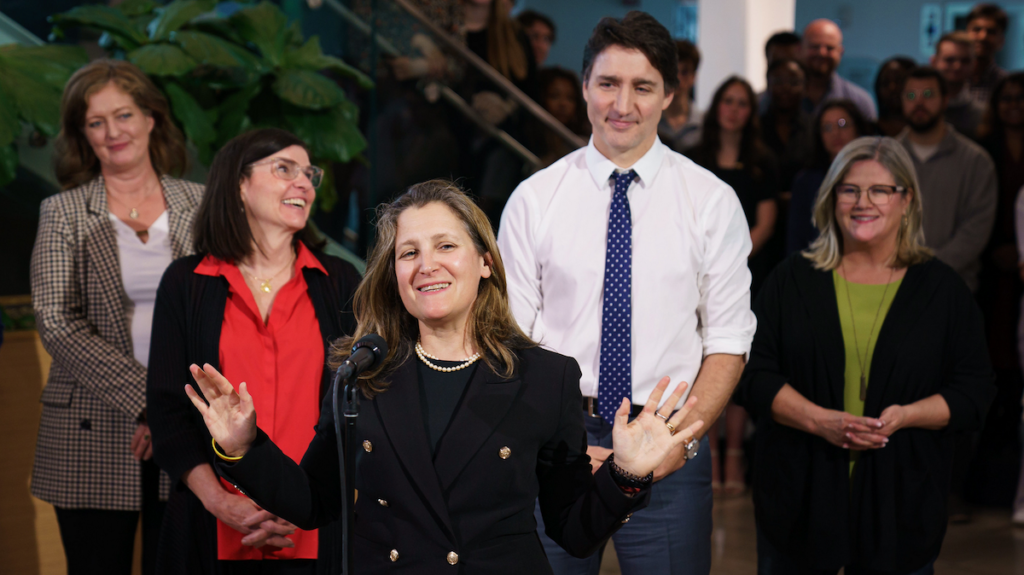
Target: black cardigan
x=891, y=515
x=511, y=442
x=187, y=323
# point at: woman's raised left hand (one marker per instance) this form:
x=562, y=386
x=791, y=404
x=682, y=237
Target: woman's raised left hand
x=642, y=444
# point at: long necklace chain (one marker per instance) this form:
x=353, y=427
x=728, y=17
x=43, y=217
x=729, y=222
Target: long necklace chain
x=426, y=357
x=133, y=213
x=265, y=286
x=853, y=322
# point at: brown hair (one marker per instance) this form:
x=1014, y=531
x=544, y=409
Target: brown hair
x=636, y=31
x=75, y=162
x=958, y=37
x=753, y=153
x=378, y=306
x=990, y=11
x=220, y=227
x=505, y=52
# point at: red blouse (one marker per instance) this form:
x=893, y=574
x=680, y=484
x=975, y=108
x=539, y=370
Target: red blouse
x=282, y=363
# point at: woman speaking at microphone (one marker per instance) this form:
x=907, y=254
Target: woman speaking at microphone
x=261, y=302
x=467, y=422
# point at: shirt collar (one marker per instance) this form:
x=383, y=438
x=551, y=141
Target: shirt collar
x=213, y=266
x=602, y=169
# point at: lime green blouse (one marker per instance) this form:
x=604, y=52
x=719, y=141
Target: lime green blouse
x=864, y=299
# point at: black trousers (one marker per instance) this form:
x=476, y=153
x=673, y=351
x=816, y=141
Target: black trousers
x=268, y=567
x=102, y=542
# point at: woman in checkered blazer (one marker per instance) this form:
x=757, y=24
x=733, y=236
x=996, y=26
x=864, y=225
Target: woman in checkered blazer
x=101, y=249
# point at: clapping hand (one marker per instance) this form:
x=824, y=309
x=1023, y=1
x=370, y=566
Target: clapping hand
x=642, y=445
x=230, y=416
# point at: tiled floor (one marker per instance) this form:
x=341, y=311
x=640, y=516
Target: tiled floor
x=987, y=546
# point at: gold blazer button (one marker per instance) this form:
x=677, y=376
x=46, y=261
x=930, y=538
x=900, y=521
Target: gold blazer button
x=382, y=502
x=453, y=558
x=504, y=452
x=394, y=555
x=367, y=446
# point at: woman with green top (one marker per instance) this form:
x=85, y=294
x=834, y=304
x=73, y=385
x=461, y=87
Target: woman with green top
x=869, y=357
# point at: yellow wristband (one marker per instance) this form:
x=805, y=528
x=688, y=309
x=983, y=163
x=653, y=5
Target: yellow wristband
x=221, y=455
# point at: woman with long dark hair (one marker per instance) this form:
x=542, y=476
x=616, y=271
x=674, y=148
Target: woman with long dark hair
x=261, y=301
x=732, y=149
x=562, y=96
x=838, y=123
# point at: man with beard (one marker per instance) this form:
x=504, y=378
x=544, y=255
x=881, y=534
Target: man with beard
x=986, y=25
x=954, y=59
x=957, y=177
x=822, y=51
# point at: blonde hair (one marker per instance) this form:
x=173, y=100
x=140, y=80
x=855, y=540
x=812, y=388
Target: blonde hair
x=504, y=51
x=379, y=309
x=826, y=252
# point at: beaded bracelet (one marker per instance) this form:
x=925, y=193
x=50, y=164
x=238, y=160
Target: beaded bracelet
x=626, y=480
x=221, y=455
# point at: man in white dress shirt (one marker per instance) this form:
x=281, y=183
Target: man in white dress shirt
x=674, y=299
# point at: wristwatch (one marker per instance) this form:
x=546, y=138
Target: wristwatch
x=691, y=448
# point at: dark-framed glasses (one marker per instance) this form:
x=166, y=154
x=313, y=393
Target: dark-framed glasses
x=829, y=127
x=289, y=170
x=878, y=194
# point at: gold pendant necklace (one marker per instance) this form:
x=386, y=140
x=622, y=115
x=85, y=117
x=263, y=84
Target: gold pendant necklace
x=853, y=323
x=265, y=286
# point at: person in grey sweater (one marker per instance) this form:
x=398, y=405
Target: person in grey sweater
x=957, y=177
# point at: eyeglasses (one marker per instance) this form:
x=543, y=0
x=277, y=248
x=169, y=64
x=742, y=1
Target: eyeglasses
x=833, y=126
x=289, y=170
x=926, y=94
x=878, y=194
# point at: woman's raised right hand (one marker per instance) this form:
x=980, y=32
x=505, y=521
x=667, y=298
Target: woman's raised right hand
x=230, y=416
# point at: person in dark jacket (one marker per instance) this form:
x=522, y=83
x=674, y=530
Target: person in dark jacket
x=869, y=359
x=262, y=302
x=466, y=424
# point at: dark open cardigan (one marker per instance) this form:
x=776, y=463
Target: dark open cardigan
x=891, y=516
x=186, y=329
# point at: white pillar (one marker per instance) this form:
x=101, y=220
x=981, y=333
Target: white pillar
x=731, y=39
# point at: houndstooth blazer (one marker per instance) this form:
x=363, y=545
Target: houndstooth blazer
x=96, y=389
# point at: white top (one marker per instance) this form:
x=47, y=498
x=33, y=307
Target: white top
x=691, y=285
x=924, y=152
x=142, y=266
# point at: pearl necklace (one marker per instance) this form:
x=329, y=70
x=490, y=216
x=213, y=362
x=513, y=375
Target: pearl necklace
x=423, y=355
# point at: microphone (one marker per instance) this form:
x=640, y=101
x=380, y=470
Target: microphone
x=368, y=352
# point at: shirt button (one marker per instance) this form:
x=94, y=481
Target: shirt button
x=504, y=452
x=367, y=446
x=394, y=555
x=382, y=502
x=453, y=558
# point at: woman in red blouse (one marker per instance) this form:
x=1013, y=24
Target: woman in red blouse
x=262, y=302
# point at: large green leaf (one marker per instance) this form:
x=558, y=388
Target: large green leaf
x=102, y=18
x=8, y=164
x=233, y=112
x=10, y=126
x=162, y=60
x=136, y=7
x=311, y=57
x=49, y=63
x=307, y=89
x=330, y=134
x=36, y=101
x=193, y=118
x=213, y=51
x=218, y=27
x=175, y=15
x=265, y=26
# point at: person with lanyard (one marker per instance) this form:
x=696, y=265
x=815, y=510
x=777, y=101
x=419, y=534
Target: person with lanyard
x=632, y=259
x=262, y=302
x=869, y=359
x=463, y=425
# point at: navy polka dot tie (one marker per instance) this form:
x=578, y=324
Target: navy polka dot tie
x=615, y=380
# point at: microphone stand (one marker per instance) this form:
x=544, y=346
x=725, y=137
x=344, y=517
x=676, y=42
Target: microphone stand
x=347, y=457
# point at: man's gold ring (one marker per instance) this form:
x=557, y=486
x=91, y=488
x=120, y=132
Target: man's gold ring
x=671, y=428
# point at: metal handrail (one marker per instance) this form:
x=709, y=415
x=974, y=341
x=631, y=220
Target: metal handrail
x=494, y=76
x=444, y=91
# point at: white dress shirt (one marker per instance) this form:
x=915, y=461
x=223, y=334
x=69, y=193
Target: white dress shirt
x=691, y=284
x=142, y=266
